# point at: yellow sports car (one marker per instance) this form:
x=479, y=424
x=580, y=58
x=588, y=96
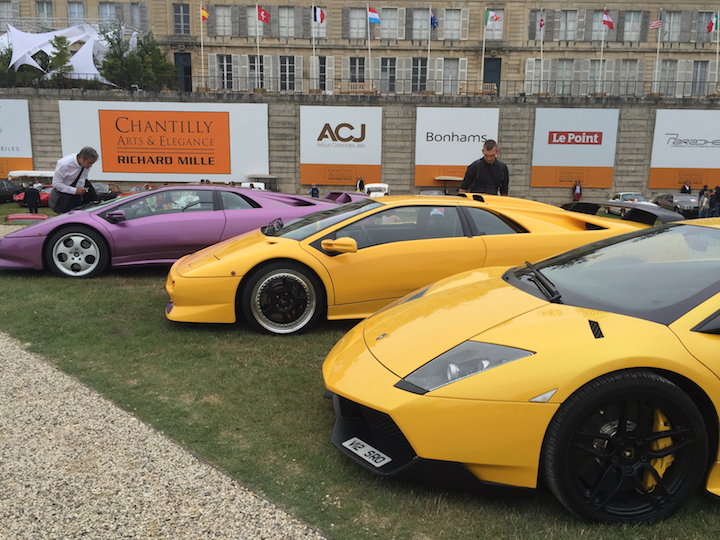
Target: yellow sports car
x=349, y=261
x=597, y=370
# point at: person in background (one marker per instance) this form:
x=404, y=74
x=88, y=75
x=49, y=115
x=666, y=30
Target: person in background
x=32, y=198
x=686, y=187
x=37, y=185
x=314, y=192
x=703, y=190
x=488, y=174
x=715, y=202
x=704, y=204
x=577, y=191
x=360, y=185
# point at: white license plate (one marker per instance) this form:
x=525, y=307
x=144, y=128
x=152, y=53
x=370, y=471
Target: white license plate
x=368, y=453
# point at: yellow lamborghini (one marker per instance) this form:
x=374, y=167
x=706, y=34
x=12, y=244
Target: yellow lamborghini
x=597, y=370
x=349, y=261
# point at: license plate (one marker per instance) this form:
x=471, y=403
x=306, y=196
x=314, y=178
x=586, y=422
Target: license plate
x=368, y=453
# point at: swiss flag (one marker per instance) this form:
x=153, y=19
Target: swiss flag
x=607, y=21
x=263, y=15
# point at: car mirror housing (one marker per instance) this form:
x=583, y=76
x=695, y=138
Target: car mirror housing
x=340, y=245
x=115, y=216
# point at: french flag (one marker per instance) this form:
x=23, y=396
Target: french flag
x=318, y=15
x=373, y=16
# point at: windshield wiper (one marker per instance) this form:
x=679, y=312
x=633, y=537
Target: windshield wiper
x=543, y=283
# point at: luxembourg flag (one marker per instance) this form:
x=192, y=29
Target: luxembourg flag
x=607, y=21
x=712, y=24
x=373, y=16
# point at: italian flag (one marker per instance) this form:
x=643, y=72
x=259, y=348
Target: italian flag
x=712, y=24
x=490, y=17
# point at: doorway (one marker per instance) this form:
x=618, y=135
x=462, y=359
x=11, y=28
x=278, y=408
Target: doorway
x=184, y=66
x=492, y=70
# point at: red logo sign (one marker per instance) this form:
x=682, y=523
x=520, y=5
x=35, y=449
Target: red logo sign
x=575, y=137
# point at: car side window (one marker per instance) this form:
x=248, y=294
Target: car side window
x=404, y=224
x=488, y=223
x=234, y=201
x=168, y=202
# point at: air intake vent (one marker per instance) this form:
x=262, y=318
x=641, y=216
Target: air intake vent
x=595, y=327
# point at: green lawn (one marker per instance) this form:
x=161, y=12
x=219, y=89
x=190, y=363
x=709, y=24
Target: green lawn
x=253, y=405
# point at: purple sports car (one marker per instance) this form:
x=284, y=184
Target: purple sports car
x=152, y=227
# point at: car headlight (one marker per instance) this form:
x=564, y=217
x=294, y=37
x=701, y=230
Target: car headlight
x=465, y=360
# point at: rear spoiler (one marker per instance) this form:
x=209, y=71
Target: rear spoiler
x=639, y=213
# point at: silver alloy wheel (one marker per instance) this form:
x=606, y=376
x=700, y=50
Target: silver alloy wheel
x=76, y=254
x=283, y=301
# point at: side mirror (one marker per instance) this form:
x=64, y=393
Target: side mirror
x=340, y=245
x=115, y=216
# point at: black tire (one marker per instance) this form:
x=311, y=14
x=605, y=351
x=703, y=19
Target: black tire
x=76, y=252
x=604, y=457
x=283, y=298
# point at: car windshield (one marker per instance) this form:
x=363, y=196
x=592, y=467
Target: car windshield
x=301, y=228
x=633, y=197
x=656, y=274
x=686, y=198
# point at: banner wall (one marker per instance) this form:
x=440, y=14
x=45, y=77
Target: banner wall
x=15, y=142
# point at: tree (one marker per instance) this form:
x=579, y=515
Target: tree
x=146, y=66
x=59, y=65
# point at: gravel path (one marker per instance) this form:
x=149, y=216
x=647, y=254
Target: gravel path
x=73, y=465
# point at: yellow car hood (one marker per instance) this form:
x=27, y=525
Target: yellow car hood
x=416, y=330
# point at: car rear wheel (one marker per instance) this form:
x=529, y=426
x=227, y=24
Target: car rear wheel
x=77, y=252
x=283, y=298
x=629, y=447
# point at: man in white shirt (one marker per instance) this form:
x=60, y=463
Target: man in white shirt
x=74, y=169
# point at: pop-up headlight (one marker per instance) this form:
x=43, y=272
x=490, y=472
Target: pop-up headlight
x=466, y=359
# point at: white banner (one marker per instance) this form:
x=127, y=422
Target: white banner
x=453, y=136
x=15, y=139
x=575, y=137
x=688, y=139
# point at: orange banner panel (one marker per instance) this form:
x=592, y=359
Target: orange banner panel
x=589, y=177
x=165, y=142
x=14, y=164
x=674, y=179
x=425, y=175
x=338, y=175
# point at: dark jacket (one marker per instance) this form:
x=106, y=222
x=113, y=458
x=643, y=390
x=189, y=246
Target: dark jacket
x=481, y=177
x=32, y=197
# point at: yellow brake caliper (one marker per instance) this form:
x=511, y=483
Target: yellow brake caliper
x=660, y=423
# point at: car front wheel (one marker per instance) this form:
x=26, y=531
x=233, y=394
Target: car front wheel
x=77, y=252
x=629, y=447
x=283, y=298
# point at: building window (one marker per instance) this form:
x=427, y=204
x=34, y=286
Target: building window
x=671, y=26
x=421, y=23
x=5, y=15
x=387, y=75
x=107, y=14
x=181, y=19
x=594, y=75
x=629, y=84
x=286, y=20
x=495, y=30
x=135, y=18
x=254, y=25
x=225, y=69
x=452, y=24
x=223, y=21
x=287, y=73
x=358, y=23
x=44, y=11
x=568, y=24
x=699, y=78
x=76, y=12
x=357, y=69
x=319, y=29
x=667, y=77
x=322, y=73
x=702, y=35
x=598, y=28
x=256, y=71
x=389, y=26
x=419, y=75
x=564, y=76
x=632, y=25
x=451, y=75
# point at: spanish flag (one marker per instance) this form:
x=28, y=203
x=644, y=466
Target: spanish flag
x=203, y=13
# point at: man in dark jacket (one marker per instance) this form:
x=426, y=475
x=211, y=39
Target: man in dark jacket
x=32, y=199
x=488, y=174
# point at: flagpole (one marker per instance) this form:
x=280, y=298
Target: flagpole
x=429, y=31
x=717, y=49
x=542, y=36
x=257, y=42
x=657, y=57
x=602, y=50
x=482, y=61
x=367, y=21
x=202, y=47
x=314, y=59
